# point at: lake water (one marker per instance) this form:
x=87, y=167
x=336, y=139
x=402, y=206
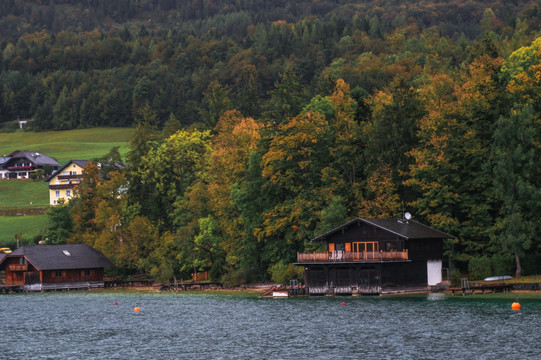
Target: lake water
x=88, y=325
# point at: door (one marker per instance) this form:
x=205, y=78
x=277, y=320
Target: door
x=365, y=250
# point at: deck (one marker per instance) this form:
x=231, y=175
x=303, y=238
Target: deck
x=350, y=256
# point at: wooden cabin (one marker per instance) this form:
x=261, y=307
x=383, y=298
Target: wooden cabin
x=365, y=256
x=53, y=267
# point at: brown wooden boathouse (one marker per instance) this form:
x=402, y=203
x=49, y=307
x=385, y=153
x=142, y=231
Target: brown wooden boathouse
x=365, y=256
x=53, y=267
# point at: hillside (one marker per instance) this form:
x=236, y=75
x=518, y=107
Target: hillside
x=277, y=121
x=78, y=64
x=62, y=146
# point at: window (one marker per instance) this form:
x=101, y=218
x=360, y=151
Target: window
x=54, y=202
x=57, y=193
x=87, y=272
x=68, y=193
x=58, y=273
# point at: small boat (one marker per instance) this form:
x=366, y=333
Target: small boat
x=280, y=294
x=496, y=278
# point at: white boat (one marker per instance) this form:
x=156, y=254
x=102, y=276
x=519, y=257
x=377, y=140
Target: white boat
x=280, y=294
x=496, y=278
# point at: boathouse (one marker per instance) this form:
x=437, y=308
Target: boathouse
x=366, y=256
x=53, y=267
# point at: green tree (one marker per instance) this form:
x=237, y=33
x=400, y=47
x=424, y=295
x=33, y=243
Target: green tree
x=171, y=168
x=516, y=178
x=287, y=97
x=60, y=223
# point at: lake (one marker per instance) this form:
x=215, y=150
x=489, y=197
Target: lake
x=187, y=325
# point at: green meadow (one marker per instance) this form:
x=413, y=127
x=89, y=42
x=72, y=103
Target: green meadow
x=23, y=193
x=27, y=226
x=82, y=144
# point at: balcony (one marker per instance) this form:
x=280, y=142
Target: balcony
x=14, y=267
x=70, y=177
x=20, y=167
x=350, y=256
x=62, y=186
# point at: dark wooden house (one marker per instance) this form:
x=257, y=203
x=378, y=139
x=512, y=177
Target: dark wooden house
x=53, y=267
x=365, y=256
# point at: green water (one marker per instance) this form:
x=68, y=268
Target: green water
x=88, y=325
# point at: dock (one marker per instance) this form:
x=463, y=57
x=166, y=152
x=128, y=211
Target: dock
x=475, y=288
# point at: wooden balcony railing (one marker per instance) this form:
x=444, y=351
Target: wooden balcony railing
x=70, y=177
x=62, y=186
x=350, y=256
x=14, y=267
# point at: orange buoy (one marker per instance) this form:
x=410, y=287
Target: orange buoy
x=515, y=306
x=136, y=309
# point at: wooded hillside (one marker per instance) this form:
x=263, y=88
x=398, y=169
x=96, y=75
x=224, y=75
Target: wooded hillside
x=261, y=124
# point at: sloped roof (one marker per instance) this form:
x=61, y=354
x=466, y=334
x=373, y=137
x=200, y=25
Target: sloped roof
x=407, y=229
x=62, y=257
x=37, y=158
x=2, y=256
x=81, y=163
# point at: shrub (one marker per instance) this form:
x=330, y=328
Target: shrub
x=480, y=267
x=282, y=273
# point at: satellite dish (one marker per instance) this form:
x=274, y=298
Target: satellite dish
x=407, y=216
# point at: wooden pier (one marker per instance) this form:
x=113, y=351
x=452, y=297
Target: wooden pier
x=481, y=288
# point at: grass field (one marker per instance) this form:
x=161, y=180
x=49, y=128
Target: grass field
x=27, y=226
x=22, y=192
x=82, y=144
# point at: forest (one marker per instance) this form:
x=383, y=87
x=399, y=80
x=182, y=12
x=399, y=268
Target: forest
x=262, y=124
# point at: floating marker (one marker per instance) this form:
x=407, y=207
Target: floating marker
x=342, y=303
x=136, y=309
x=515, y=306
x=116, y=303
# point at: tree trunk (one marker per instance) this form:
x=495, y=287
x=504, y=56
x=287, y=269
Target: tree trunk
x=519, y=269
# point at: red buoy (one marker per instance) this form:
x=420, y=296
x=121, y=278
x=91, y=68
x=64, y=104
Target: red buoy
x=343, y=303
x=116, y=303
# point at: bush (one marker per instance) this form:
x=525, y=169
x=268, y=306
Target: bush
x=480, y=267
x=282, y=273
x=502, y=264
x=240, y=276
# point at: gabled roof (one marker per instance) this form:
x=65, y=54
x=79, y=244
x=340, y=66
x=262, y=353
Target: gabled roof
x=81, y=163
x=62, y=257
x=37, y=158
x=407, y=229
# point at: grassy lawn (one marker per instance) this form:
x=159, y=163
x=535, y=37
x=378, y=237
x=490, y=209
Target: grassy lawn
x=21, y=192
x=28, y=226
x=81, y=144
